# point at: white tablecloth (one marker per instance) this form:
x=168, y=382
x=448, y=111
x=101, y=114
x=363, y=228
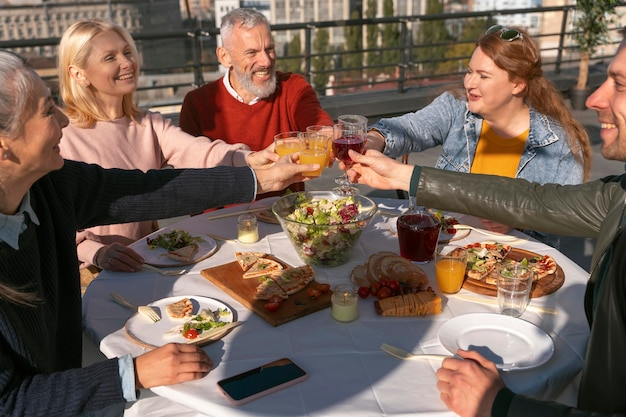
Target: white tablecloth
x=348, y=372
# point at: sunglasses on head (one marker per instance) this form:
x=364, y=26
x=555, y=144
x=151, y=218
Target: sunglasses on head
x=506, y=33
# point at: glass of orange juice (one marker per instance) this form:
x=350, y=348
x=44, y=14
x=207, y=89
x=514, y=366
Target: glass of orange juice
x=286, y=143
x=450, y=265
x=313, y=150
x=326, y=131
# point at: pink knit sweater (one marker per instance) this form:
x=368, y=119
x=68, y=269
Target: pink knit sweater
x=152, y=143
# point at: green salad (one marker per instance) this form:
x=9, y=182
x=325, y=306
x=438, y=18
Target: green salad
x=326, y=229
x=172, y=240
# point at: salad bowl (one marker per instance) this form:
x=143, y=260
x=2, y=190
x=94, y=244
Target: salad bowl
x=324, y=227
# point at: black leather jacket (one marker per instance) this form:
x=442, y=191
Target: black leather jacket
x=595, y=209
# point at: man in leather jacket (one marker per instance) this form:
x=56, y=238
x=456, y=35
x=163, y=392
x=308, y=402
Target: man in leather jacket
x=596, y=209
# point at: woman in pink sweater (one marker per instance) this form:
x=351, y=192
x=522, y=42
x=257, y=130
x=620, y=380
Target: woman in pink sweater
x=98, y=70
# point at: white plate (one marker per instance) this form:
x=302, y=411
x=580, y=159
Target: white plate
x=157, y=256
x=267, y=215
x=443, y=236
x=510, y=342
x=149, y=334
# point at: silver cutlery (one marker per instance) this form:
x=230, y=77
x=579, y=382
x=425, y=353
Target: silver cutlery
x=215, y=332
x=145, y=311
x=404, y=355
x=499, y=236
x=492, y=301
x=167, y=272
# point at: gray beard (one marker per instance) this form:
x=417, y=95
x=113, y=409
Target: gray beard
x=263, y=91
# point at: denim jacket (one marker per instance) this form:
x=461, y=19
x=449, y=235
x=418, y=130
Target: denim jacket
x=447, y=121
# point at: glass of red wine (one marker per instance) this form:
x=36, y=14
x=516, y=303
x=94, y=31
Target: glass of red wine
x=349, y=135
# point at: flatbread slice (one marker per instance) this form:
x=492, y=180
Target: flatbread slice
x=268, y=288
x=542, y=266
x=263, y=266
x=181, y=309
x=184, y=254
x=247, y=259
x=295, y=279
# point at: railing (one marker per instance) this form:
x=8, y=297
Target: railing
x=412, y=62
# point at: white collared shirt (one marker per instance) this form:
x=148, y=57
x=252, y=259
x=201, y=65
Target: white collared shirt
x=12, y=226
x=232, y=91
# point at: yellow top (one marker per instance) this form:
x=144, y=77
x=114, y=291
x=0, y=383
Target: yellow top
x=496, y=155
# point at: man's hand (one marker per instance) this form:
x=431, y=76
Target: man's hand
x=282, y=174
x=469, y=386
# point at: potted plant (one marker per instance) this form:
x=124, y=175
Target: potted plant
x=591, y=30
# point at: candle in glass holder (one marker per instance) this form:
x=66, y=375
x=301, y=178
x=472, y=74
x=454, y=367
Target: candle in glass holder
x=248, y=229
x=345, y=304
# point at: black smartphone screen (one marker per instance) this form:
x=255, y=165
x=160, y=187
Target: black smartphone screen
x=261, y=379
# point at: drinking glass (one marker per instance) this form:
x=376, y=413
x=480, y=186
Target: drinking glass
x=514, y=285
x=349, y=135
x=327, y=131
x=313, y=150
x=450, y=265
x=286, y=143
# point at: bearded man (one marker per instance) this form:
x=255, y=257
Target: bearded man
x=252, y=102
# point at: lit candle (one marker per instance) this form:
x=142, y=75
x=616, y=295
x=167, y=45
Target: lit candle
x=248, y=230
x=345, y=304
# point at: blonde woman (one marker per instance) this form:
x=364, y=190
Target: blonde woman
x=98, y=75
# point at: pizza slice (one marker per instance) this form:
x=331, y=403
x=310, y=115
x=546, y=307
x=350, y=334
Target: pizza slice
x=247, y=259
x=180, y=309
x=184, y=254
x=482, y=258
x=542, y=266
x=263, y=266
x=295, y=279
x=269, y=288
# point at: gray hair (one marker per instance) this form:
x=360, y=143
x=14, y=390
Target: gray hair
x=243, y=17
x=18, y=80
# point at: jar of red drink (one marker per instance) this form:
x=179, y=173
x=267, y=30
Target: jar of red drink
x=418, y=233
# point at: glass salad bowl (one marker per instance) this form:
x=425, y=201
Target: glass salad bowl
x=324, y=227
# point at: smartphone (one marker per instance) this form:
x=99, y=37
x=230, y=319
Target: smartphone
x=258, y=382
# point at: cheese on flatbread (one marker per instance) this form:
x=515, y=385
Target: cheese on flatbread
x=184, y=254
x=181, y=309
x=261, y=267
x=247, y=259
x=295, y=279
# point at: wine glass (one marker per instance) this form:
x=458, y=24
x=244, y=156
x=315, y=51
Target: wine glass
x=347, y=138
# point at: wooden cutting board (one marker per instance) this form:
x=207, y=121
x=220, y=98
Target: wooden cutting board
x=544, y=286
x=229, y=278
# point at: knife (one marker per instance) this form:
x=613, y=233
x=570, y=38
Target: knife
x=491, y=301
x=215, y=331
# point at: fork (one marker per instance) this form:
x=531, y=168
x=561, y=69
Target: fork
x=403, y=354
x=171, y=273
x=145, y=311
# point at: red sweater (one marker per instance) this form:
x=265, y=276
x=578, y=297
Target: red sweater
x=211, y=111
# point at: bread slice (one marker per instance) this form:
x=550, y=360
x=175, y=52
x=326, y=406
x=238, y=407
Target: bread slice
x=421, y=303
x=184, y=254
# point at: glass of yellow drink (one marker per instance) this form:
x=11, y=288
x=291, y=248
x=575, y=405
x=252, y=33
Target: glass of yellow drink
x=326, y=131
x=313, y=150
x=286, y=143
x=450, y=265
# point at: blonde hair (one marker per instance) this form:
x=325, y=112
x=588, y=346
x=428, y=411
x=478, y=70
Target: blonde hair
x=521, y=59
x=79, y=101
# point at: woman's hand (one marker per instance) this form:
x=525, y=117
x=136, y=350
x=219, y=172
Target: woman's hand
x=469, y=386
x=171, y=364
x=263, y=158
x=379, y=171
x=119, y=258
x=495, y=226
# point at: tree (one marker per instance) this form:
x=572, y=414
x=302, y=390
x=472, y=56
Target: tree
x=354, y=42
x=431, y=39
x=391, y=39
x=294, y=62
x=457, y=54
x=323, y=59
x=592, y=31
x=371, y=36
